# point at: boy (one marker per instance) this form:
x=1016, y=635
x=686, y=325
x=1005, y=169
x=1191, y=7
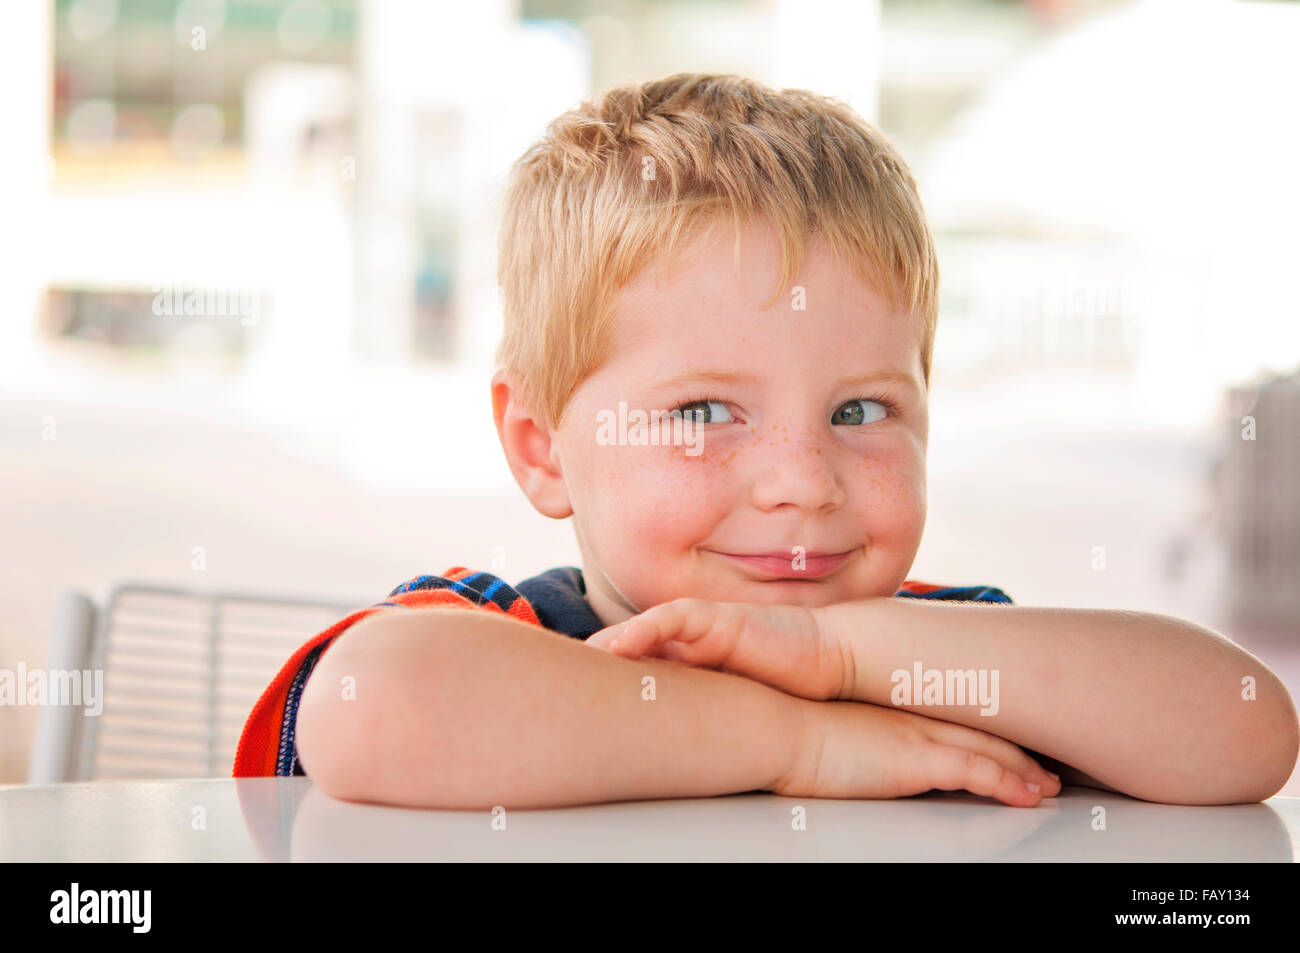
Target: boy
x=742, y=619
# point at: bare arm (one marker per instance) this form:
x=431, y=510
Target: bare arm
x=465, y=709
x=1144, y=704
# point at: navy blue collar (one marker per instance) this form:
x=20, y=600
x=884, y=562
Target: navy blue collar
x=559, y=597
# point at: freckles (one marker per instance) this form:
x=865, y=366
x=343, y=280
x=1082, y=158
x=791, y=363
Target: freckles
x=891, y=484
x=722, y=464
x=695, y=490
x=706, y=470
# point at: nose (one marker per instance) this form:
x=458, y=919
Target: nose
x=802, y=473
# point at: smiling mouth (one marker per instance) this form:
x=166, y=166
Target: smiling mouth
x=779, y=566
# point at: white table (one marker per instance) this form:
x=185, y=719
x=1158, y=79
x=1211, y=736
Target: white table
x=282, y=819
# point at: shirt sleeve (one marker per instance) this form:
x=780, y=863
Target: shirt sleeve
x=266, y=744
x=913, y=589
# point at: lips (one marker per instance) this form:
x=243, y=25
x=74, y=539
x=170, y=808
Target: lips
x=786, y=565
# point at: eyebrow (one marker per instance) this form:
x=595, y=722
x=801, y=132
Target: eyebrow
x=725, y=377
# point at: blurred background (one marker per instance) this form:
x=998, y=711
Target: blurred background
x=249, y=301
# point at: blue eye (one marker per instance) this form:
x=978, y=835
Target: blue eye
x=704, y=412
x=853, y=413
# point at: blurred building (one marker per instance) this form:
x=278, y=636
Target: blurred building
x=337, y=161
x=309, y=156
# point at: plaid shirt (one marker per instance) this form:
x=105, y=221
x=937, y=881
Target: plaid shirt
x=554, y=600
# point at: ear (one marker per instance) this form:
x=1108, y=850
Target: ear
x=530, y=449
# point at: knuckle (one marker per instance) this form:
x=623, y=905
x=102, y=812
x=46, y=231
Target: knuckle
x=978, y=764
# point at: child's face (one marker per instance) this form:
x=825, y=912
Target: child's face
x=773, y=469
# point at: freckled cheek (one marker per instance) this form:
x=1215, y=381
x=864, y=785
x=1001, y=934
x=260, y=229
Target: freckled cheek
x=889, y=496
x=661, y=495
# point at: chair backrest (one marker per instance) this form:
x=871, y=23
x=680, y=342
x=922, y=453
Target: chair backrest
x=182, y=670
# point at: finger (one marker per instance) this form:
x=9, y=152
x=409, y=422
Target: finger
x=638, y=637
x=1007, y=754
x=953, y=768
x=673, y=651
x=607, y=635
x=686, y=621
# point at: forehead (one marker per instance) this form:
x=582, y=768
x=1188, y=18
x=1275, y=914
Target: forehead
x=710, y=306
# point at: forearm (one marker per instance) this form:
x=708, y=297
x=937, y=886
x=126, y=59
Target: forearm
x=461, y=709
x=1147, y=704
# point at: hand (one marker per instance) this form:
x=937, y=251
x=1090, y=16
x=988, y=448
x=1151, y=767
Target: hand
x=857, y=750
x=780, y=645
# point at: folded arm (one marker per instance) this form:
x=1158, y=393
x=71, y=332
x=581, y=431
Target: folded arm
x=1144, y=704
x=463, y=709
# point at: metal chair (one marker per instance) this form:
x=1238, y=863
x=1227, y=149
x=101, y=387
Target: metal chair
x=181, y=671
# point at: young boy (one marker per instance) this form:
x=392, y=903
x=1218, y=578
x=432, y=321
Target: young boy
x=720, y=306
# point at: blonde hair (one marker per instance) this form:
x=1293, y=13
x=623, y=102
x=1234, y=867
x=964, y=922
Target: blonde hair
x=616, y=182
